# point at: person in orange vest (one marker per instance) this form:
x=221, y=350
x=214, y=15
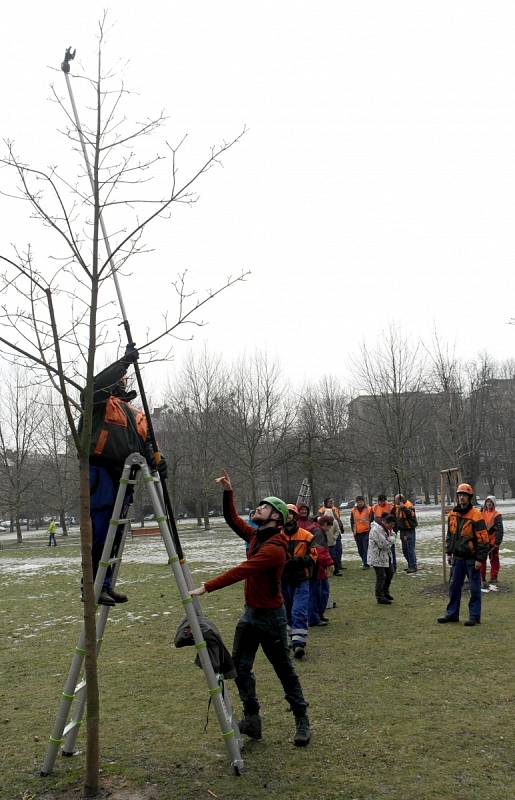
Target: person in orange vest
x=360, y=518
x=295, y=580
x=406, y=523
x=495, y=528
x=467, y=546
x=382, y=507
x=335, y=536
x=118, y=429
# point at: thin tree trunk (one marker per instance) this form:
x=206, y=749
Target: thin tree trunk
x=93, y=706
x=62, y=520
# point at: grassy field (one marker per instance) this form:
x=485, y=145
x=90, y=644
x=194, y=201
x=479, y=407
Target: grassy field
x=400, y=706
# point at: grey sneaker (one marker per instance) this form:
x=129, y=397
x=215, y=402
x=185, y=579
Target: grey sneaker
x=250, y=725
x=302, y=731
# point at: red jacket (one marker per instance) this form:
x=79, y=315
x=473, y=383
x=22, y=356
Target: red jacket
x=266, y=557
x=324, y=560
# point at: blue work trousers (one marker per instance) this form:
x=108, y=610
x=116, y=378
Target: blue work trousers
x=362, y=545
x=296, y=603
x=318, y=599
x=103, y=491
x=460, y=569
x=408, y=542
x=336, y=551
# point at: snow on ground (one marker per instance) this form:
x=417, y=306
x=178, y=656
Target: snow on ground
x=219, y=548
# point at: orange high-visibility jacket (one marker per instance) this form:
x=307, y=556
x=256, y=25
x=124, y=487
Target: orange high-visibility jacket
x=467, y=536
x=360, y=519
x=379, y=510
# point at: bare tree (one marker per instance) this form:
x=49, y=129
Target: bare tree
x=19, y=423
x=391, y=414
x=255, y=420
x=198, y=399
x=61, y=474
x=56, y=316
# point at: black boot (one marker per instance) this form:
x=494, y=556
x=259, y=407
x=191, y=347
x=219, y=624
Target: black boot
x=444, y=619
x=250, y=725
x=105, y=600
x=302, y=731
x=383, y=601
x=388, y=596
x=118, y=597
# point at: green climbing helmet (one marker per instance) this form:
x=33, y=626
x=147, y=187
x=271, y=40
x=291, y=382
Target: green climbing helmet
x=278, y=505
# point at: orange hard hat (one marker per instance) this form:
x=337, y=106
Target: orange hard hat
x=292, y=507
x=465, y=488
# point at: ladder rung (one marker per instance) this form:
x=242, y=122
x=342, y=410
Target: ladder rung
x=71, y=725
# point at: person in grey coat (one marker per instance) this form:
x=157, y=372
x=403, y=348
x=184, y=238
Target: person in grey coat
x=379, y=556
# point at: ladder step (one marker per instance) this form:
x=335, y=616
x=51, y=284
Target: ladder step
x=70, y=727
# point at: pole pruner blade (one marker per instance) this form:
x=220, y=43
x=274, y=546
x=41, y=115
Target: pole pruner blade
x=68, y=56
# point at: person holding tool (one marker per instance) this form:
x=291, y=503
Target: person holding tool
x=263, y=621
x=118, y=429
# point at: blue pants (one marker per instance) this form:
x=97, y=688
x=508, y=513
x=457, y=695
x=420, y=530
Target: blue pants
x=336, y=551
x=362, y=545
x=296, y=603
x=462, y=567
x=408, y=542
x=103, y=490
x=318, y=597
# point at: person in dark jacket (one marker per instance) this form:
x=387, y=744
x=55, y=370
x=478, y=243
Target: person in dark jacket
x=118, y=429
x=263, y=621
x=467, y=547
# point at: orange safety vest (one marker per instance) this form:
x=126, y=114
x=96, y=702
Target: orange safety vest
x=116, y=416
x=379, y=509
x=467, y=536
x=298, y=547
x=361, y=519
x=400, y=515
x=490, y=518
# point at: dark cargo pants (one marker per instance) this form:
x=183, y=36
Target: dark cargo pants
x=265, y=627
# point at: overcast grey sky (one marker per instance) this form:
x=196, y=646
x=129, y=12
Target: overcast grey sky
x=375, y=182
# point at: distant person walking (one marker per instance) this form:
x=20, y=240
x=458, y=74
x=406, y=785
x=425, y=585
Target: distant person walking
x=361, y=517
x=467, y=547
x=52, y=527
x=495, y=528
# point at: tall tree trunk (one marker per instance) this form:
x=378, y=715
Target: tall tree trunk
x=93, y=704
x=62, y=520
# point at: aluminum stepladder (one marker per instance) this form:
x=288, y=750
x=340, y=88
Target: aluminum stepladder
x=73, y=700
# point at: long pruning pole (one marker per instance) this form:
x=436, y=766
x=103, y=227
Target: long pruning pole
x=65, y=66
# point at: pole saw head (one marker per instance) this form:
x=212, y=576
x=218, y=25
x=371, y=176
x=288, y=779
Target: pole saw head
x=68, y=56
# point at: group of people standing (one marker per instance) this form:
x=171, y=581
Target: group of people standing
x=374, y=528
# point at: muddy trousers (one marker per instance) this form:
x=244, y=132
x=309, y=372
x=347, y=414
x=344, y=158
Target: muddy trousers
x=265, y=627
